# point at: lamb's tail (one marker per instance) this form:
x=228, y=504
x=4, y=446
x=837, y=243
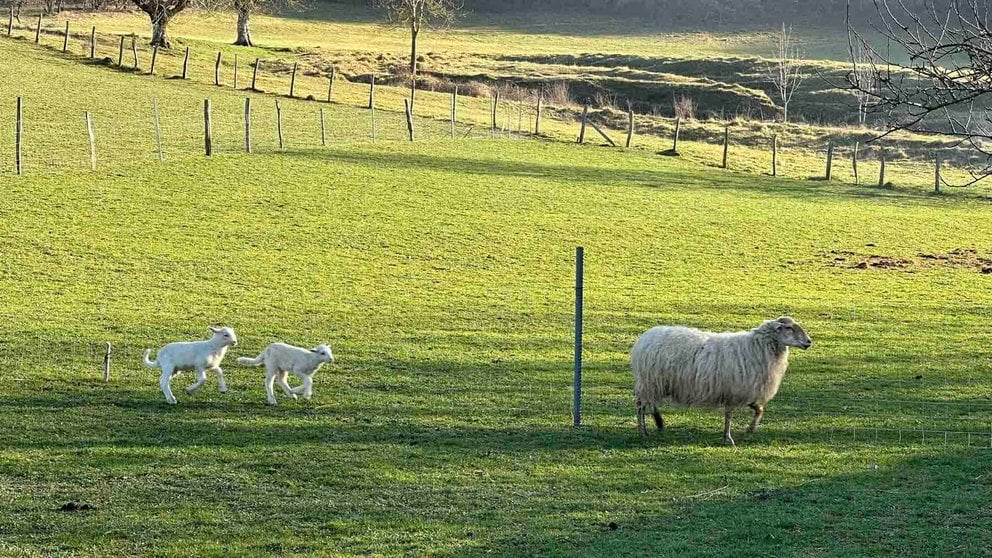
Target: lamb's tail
x=145, y=359
x=257, y=361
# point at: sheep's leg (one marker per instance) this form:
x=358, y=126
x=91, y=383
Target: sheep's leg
x=727, y=440
x=281, y=380
x=641, y=427
x=659, y=420
x=270, y=378
x=220, y=380
x=164, y=382
x=201, y=376
x=759, y=411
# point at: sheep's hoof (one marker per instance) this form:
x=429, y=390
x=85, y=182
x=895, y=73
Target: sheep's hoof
x=224, y=390
x=191, y=390
x=728, y=441
x=272, y=402
x=171, y=401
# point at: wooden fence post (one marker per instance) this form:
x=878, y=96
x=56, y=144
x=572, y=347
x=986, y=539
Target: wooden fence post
x=454, y=110
x=93, y=43
x=106, y=364
x=582, y=128
x=726, y=146
x=65, y=38
x=936, y=175
x=881, y=171
x=372, y=92
x=151, y=70
x=186, y=64
x=254, y=75
x=540, y=110
x=372, y=105
x=854, y=163
x=247, y=124
x=217, y=70
x=235, y=71
x=323, y=136
x=409, y=118
x=10, y=20
x=279, y=123
x=330, y=84
x=208, y=134
x=134, y=52
x=775, y=155
x=120, y=54
x=292, y=81
x=158, y=130
x=37, y=31
x=495, y=101
x=830, y=160
x=630, y=124
x=19, y=138
x=92, y=140
x=678, y=132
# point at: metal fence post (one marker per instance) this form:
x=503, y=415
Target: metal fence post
x=577, y=380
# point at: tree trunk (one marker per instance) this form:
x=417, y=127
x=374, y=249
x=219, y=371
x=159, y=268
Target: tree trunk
x=244, y=32
x=413, y=49
x=160, y=23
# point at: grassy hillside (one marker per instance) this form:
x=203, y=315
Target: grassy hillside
x=441, y=273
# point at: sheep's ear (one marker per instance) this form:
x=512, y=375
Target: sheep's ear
x=213, y=329
x=314, y=351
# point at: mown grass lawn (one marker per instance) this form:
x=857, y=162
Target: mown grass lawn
x=441, y=274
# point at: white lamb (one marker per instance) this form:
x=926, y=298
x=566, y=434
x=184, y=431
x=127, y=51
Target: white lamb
x=196, y=355
x=281, y=359
x=686, y=366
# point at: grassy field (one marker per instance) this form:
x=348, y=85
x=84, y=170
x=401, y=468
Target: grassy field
x=441, y=273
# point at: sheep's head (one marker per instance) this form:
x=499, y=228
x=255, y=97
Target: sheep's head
x=225, y=335
x=324, y=352
x=789, y=333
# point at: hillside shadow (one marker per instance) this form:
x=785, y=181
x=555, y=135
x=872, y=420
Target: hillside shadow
x=922, y=506
x=674, y=178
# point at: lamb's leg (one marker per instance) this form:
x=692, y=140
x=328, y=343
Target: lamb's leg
x=201, y=376
x=281, y=380
x=270, y=378
x=221, y=384
x=641, y=427
x=759, y=411
x=164, y=382
x=727, y=440
x=659, y=420
x=307, y=387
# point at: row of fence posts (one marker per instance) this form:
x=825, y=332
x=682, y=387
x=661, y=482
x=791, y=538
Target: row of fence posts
x=725, y=164
x=494, y=107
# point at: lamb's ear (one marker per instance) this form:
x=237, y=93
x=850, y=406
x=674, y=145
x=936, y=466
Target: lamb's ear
x=315, y=351
x=213, y=329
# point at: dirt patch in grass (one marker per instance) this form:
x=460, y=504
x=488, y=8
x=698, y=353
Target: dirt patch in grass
x=958, y=258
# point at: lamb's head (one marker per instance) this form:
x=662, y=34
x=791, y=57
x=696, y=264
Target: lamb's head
x=787, y=332
x=324, y=352
x=224, y=336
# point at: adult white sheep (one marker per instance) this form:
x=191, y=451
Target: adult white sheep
x=195, y=355
x=281, y=359
x=686, y=366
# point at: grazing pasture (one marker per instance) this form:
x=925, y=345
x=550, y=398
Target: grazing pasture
x=441, y=273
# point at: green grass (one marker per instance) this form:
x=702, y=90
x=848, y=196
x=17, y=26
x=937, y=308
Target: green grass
x=441, y=273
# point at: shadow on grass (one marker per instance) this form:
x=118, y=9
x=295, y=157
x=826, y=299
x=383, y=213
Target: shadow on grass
x=664, y=177
x=923, y=506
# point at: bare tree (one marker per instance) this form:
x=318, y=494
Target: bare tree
x=161, y=13
x=785, y=72
x=937, y=82
x=416, y=14
x=866, y=81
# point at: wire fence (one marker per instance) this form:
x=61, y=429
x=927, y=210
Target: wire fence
x=55, y=139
